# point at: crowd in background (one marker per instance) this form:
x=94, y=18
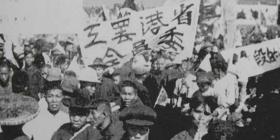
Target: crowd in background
x=101, y=102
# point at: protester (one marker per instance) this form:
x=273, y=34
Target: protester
x=77, y=128
x=138, y=120
x=140, y=74
x=129, y=94
x=5, y=79
x=35, y=83
x=108, y=90
x=108, y=123
x=51, y=117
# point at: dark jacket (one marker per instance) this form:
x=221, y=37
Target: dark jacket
x=65, y=132
x=35, y=83
x=115, y=130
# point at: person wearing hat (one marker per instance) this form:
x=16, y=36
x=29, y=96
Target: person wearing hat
x=107, y=88
x=69, y=83
x=16, y=110
x=104, y=120
x=138, y=121
x=89, y=81
x=129, y=94
x=140, y=74
x=77, y=128
x=51, y=116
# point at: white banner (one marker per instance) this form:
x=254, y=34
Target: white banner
x=261, y=57
x=171, y=28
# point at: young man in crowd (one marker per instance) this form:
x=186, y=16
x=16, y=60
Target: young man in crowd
x=107, y=88
x=78, y=128
x=35, y=84
x=138, y=121
x=129, y=94
x=105, y=121
x=5, y=79
x=51, y=118
x=140, y=74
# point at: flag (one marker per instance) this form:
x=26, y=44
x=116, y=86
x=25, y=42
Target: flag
x=162, y=98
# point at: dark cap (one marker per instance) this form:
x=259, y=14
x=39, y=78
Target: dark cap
x=139, y=115
x=79, y=101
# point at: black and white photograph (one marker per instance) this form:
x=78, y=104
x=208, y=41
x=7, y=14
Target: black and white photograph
x=139, y=69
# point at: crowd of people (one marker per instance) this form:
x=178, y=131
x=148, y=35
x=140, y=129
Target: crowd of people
x=98, y=102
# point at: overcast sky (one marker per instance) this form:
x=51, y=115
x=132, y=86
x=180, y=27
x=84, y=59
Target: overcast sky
x=109, y=3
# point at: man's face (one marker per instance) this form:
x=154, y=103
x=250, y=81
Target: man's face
x=159, y=64
x=101, y=117
x=198, y=114
x=44, y=72
x=54, y=98
x=99, y=71
x=117, y=79
x=29, y=59
x=137, y=132
x=128, y=94
x=203, y=86
x=4, y=75
x=78, y=118
x=91, y=89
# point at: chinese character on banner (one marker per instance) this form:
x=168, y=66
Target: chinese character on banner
x=172, y=39
x=184, y=16
x=153, y=23
x=121, y=34
x=93, y=34
x=112, y=57
x=265, y=56
x=140, y=47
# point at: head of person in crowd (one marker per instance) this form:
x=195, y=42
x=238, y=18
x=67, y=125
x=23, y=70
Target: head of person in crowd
x=69, y=83
x=89, y=80
x=99, y=66
x=187, y=64
x=38, y=45
x=199, y=110
x=172, y=55
x=128, y=93
x=28, y=58
x=116, y=76
x=20, y=82
x=221, y=130
x=79, y=111
x=45, y=70
x=159, y=64
x=62, y=62
x=140, y=73
x=204, y=81
x=138, y=120
x=101, y=114
x=219, y=67
x=5, y=74
x=53, y=96
x=70, y=48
